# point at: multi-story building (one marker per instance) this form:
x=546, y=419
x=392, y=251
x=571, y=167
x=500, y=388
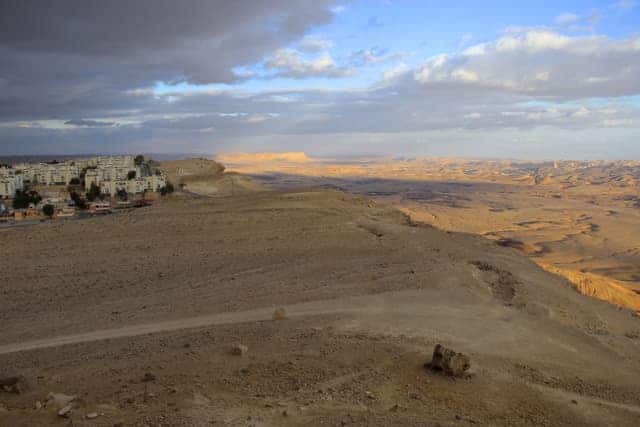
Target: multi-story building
x=10, y=182
x=133, y=186
x=110, y=173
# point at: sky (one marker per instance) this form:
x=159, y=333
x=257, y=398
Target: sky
x=483, y=79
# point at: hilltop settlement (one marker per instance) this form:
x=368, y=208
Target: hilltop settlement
x=65, y=189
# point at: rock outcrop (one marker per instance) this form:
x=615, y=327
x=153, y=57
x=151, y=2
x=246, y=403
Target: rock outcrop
x=448, y=362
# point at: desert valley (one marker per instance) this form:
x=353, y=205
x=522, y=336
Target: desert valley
x=577, y=219
x=233, y=302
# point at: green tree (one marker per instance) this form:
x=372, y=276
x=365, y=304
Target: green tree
x=23, y=199
x=78, y=201
x=93, y=193
x=138, y=160
x=74, y=181
x=131, y=175
x=122, y=194
x=167, y=189
x=48, y=210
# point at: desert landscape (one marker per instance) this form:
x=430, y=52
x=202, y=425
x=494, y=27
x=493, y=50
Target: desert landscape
x=577, y=219
x=319, y=213
x=230, y=302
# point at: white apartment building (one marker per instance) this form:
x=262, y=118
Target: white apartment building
x=48, y=174
x=10, y=182
x=133, y=186
x=110, y=173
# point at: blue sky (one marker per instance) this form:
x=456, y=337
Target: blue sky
x=527, y=79
x=416, y=30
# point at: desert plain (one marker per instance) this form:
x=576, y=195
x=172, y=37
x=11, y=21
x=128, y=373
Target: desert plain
x=283, y=292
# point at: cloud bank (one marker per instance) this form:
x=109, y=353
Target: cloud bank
x=80, y=76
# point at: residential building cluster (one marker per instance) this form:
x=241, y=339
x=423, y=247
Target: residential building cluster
x=109, y=173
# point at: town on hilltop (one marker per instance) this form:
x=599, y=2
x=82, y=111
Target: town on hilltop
x=90, y=185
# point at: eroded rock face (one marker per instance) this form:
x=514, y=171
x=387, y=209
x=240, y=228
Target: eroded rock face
x=449, y=362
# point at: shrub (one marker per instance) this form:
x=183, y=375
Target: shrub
x=23, y=199
x=131, y=175
x=139, y=159
x=78, y=201
x=122, y=194
x=93, y=193
x=167, y=189
x=48, y=210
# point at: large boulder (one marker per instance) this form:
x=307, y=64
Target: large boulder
x=449, y=362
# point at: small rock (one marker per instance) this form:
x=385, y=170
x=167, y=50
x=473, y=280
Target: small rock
x=148, y=377
x=448, y=361
x=92, y=415
x=279, y=314
x=38, y=405
x=239, y=350
x=59, y=400
x=369, y=394
x=65, y=412
x=575, y=402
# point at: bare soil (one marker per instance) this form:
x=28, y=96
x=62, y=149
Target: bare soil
x=136, y=315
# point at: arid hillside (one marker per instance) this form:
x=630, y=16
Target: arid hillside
x=164, y=315
x=580, y=218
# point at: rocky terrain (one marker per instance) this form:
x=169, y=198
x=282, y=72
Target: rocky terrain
x=241, y=305
x=578, y=219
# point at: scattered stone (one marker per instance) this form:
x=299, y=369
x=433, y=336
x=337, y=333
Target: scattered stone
x=279, y=314
x=448, y=361
x=92, y=415
x=369, y=394
x=59, y=400
x=38, y=405
x=17, y=384
x=65, y=412
x=239, y=350
x=148, y=377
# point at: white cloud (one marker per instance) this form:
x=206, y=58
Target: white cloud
x=541, y=62
x=624, y=5
x=314, y=44
x=292, y=63
x=567, y=19
x=394, y=72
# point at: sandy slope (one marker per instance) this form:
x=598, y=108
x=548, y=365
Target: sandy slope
x=580, y=218
x=169, y=289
